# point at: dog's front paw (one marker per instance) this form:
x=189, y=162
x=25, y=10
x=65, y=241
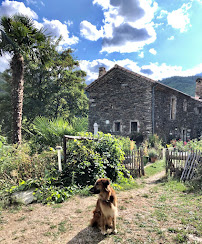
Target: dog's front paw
x=115, y=231
x=103, y=232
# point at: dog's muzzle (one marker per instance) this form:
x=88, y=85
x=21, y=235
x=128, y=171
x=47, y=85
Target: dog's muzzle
x=93, y=190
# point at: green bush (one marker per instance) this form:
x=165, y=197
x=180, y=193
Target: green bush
x=17, y=165
x=153, y=153
x=87, y=160
x=44, y=132
x=180, y=145
x=83, y=165
x=196, y=181
x=111, y=150
x=126, y=144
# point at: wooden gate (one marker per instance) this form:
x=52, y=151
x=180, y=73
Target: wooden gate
x=134, y=163
x=182, y=163
x=190, y=166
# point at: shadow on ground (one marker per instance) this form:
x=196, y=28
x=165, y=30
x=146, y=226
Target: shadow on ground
x=88, y=235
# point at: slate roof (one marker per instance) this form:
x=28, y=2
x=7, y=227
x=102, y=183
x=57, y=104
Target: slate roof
x=136, y=75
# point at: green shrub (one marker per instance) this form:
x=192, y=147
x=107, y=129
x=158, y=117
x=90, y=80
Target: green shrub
x=196, y=181
x=126, y=144
x=153, y=153
x=17, y=165
x=88, y=160
x=44, y=132
x=84, y=166
x=180, y=145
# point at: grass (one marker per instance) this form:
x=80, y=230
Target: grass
x=125, y=184
x=155, y=168
x=164, y=212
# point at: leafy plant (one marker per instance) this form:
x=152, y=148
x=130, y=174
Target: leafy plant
x=49, y=132
x=153, y=153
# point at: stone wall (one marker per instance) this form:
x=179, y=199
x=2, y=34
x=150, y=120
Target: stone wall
x=121, y=97
x=188, y=118
x=125, y=97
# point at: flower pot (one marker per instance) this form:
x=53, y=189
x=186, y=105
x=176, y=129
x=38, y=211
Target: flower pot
x=153, y=159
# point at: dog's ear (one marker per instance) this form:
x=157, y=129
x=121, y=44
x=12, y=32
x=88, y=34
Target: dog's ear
x=105, y=183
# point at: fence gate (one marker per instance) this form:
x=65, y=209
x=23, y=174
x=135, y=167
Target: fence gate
x=182, y=164
x=134, y=163
x=190, y=166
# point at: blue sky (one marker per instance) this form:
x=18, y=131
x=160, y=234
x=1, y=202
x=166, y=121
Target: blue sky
x=156, y=38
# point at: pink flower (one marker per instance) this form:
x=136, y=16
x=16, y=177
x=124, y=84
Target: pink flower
x=185, y=143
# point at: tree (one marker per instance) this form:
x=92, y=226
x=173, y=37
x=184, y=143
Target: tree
x=56, y=91
x=20, y=38
x=5, y=103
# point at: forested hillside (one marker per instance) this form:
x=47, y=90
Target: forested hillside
x=1, y=79
x=183, y=84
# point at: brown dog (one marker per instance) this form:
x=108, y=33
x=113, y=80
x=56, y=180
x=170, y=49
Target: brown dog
x=104, y=215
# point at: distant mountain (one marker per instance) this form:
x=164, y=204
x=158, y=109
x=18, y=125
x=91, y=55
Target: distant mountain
x=183, y=84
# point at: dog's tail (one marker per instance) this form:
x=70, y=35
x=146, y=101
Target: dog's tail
x=96, y=218
x=93, y=223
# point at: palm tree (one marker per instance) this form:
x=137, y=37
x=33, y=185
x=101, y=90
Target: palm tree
x=21, y=39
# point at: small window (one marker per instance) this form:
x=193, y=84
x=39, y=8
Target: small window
x=133, y=126
x=184, y=134
x=198, y=110
x=173, y=108
x=117, y=126
x=185, y=105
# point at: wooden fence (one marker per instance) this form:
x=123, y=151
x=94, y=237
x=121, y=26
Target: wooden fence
x=134, y=163
x=182, y=164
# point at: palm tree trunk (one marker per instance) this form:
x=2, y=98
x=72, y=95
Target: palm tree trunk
x=17, y=66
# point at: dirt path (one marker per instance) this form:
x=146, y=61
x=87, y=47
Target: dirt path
x=68, y=222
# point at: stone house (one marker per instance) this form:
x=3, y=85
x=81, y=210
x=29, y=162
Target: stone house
x=125, y=103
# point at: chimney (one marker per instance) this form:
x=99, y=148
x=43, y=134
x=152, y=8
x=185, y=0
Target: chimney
x=102, y=71
x=198, y=93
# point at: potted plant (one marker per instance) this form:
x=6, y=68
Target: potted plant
x=153, y=155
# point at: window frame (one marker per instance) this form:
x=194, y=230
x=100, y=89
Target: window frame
x=173, y=107
x=114, y=126
x=134, y=121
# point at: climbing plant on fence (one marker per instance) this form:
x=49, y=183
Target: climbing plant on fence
x=87, y=160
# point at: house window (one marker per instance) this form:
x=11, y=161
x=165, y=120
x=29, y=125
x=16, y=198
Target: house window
x=185, y=105
x=117, y=126
x=184, y=135
x=173, y=108
x=133, y=126
x=198, y=110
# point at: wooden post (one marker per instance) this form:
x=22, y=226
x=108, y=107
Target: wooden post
x=65, y=149
x=142, y=163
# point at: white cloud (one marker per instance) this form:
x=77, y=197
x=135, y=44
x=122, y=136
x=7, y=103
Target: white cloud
x=126, y=27
x=104, y=3
x=153, y=51
x=57, y=29
x=160, y=71
x=92, y=67
x=141, y=55
x=171, y=38
x=90, y=31
x=53, y=27
x=68, y=23
x=163, y=13
x=179, y=19
x=9, y=8
x=154, y=71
